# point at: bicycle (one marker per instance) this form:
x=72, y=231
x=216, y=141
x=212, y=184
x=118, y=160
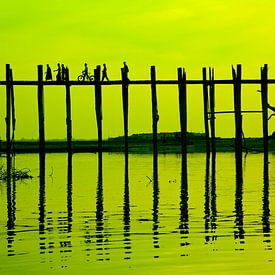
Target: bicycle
x=82, y=77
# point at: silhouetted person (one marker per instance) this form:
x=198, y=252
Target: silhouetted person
x=58, y=70
x=63, y=72
x=49, y=73
x=85, y=71
x=125, y=70
x=104, y=73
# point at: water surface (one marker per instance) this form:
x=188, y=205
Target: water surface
x=117, y=215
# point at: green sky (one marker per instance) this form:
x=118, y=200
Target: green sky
x=168, y=34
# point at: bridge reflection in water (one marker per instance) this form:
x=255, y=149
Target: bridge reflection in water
x=120, y=230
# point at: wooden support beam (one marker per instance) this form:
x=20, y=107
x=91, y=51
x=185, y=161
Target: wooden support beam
x=205, y=110
x=212, y=110
x=41, y=118
x=98, y=106
x=182, y=109
x=8, y=110
x=68, y=112
x=264, y=97
x=125, y=107
x=237, y=75
x=13, y=119
x=155, y=116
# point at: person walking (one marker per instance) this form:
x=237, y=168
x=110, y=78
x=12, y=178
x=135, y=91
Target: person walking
x=125, y=70
x=104, y=73
x=49, y=73
x=58, y=70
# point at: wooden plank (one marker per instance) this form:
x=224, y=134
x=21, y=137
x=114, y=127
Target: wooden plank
x=205, y=110
x=98, y=106
x=212, y=110
x=125, y=100
x=68, y=112
x=182, y=109
x=264, y=97
x=41, y=118
x=155, y=116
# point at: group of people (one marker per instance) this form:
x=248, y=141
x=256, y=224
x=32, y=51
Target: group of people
x=62, y=72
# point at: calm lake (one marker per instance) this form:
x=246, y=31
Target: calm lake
x=126, y=217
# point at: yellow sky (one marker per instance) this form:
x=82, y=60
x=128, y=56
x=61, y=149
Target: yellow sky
x=168, y=34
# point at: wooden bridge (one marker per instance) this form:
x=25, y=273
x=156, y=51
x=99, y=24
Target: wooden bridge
x=207, y=82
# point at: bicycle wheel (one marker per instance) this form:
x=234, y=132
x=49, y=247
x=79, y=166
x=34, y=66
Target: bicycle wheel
x=91, y=77
x=80, y=78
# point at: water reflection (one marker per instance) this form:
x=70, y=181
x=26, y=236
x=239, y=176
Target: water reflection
x=184, y=216
x=239, y=229
x=210, y=205
x=266, y=209
x=61, y=231
x=155, y=204
x=101, y=236
x=11, y=207
x=69, y=192
x=126, y=210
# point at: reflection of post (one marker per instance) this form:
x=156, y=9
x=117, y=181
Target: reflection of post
x=41, y=204
x=11, y=192
x=126, y=208
x=100, y=241
x=266, y=209
x=125, y=107
x=155, y=202
x=184, y=216
x=239, y=231
x=213, y=198
x=210, y=205
x=69, y=193
x=98, y=106
x=207, y=200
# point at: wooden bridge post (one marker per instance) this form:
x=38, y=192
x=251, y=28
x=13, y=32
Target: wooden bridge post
x=182, y=109
x=237, y=75
x=264, y=92
x=155, y=116
x=68, y=113
x=98, y=106
x=125, y=107
x=205, y=110
x=13, y=119
x=8, y=110
x=212, y=110
x=41, y=118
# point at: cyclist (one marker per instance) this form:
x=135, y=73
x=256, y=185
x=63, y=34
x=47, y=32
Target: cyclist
x=85, y=71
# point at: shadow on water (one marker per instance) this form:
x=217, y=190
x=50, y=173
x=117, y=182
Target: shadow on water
x=11, y=206
x=266, y=209
x=239, y=232
x=210, y=204
x=155, y=203
x=126, y=211
x=184, y=216
x=101, y=236
x=41, y=204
